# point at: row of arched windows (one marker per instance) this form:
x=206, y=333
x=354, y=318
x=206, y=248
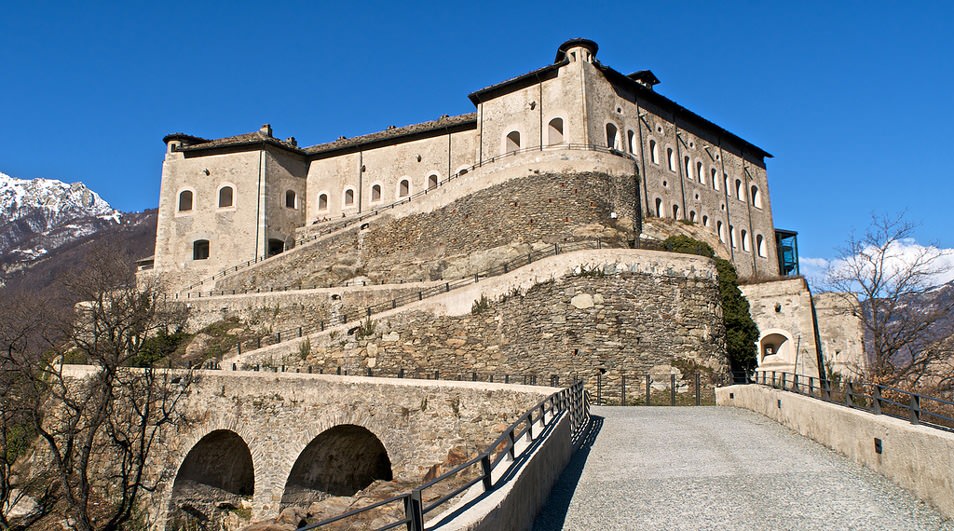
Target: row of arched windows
x=226, y=199
x=348, y=196
x=720, y=229
x=555, y=136
x=187, y=199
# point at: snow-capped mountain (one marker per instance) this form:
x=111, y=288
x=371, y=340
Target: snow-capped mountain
x=39, y=215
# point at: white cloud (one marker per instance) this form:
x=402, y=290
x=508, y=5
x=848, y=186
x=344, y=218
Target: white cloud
x=900, y=254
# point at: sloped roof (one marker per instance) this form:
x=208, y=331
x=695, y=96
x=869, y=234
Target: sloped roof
x=442, y=123
x=246, y=139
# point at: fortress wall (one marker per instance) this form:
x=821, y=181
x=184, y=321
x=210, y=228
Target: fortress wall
x=693, y=195
x=285, y=173
x=386, y=166
x=291, y=309
x=231, y=231
x=640, y=311
x=464, y=237
x=784, y=308
x=842, y=333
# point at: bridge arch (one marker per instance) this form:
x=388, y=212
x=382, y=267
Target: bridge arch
x=216, y=474
x=340, y=461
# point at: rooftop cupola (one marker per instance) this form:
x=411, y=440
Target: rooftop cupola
x=577, y=50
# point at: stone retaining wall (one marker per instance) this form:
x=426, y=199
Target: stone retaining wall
x=468, y=235
x=614, y=311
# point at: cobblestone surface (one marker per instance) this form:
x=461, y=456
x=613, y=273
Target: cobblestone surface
x=719, y=468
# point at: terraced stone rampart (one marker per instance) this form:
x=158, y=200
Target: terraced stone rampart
x=464, y=237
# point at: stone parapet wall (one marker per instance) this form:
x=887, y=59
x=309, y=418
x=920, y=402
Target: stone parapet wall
x=570, y=316
x=916, y=457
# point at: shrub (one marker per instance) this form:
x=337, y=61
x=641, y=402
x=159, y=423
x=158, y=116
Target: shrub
x=741, y=332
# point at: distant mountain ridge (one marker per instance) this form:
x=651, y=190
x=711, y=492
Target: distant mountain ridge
x=39, y=215
x=42, y=220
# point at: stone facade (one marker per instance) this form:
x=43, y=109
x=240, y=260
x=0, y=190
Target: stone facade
x=575, y=113
x=786, y=314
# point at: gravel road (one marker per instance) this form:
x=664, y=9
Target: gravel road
x=719, y=468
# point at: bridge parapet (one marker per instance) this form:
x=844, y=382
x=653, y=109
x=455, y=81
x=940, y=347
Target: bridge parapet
x=917, y=457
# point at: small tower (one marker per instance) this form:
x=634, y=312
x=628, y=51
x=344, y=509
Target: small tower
x=577, y=50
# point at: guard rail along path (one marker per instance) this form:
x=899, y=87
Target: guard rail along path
x=350, y=221
x=496, y=464
x=906, y=436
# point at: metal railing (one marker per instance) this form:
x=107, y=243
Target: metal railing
x=416, y=505
x=878, y=399
x=341, y=224
x=369, y=311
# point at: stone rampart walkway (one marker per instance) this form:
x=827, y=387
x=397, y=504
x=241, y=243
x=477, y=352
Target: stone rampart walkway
x=719, y=468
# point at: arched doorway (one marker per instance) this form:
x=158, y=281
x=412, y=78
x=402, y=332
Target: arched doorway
x=340, y=461
x=216, y=479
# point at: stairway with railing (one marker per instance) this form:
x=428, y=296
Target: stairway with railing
x=433, y=291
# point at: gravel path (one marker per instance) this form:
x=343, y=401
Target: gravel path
x=719, y=468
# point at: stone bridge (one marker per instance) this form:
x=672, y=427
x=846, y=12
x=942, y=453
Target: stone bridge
x=259, y=442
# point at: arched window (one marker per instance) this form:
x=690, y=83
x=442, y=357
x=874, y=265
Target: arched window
x=732, y=236
x=225, y=196
x=290, y=199
x=200, y=250
x=653, y=152
x=756, y=197
x=555, y=132
x=432, y=181
x=323, y=202
x=513, y=141
x=675, y=212
x=705, y=221
x=376, y=193
x=700, y=173
x=721, y=230
x=688, y=167
x=725, y=181
x=349, y=197
x=738, y=190
x=692, y=216
x=746, y=246
x=715, y=182
x=658, y=208
x=404, y=188
x=631, y=141
x=185, y=201
x=760, y=245
x=612, y=136
x=671, y=155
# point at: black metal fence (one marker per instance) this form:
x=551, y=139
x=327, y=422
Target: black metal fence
x=874, y=398
x=644, y=390
x=434, y=494
x=348, y=222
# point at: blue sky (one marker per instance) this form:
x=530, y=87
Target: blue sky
x=853, y=98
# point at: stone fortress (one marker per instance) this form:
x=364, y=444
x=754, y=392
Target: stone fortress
x=574, y=156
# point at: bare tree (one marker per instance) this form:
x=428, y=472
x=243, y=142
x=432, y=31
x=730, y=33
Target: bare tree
x=888, y=274
x=97, y=424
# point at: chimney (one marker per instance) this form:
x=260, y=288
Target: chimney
x=265, y=129
x=291, y=140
